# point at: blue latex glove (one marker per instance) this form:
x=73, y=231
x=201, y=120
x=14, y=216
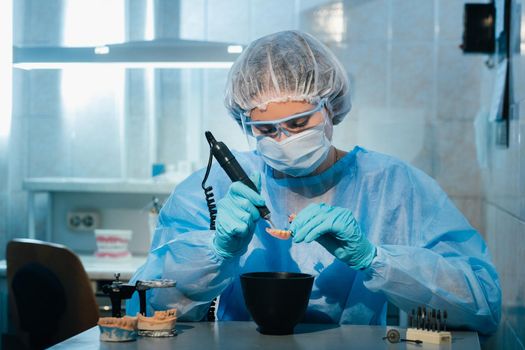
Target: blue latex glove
x=236, y=217
x=335, y=229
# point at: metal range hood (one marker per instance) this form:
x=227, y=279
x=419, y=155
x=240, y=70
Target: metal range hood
x=159, y=53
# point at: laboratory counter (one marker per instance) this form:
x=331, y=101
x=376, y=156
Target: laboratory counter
x=243, y=335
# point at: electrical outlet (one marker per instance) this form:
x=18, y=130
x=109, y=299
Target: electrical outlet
x=83, y=220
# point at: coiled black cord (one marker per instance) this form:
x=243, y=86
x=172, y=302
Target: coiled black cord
x=212, y=208
x=208, y=192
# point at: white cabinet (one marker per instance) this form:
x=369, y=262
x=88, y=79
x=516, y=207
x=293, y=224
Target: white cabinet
x=121, y=204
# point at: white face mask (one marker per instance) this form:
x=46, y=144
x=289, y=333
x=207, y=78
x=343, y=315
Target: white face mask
x=297, y=155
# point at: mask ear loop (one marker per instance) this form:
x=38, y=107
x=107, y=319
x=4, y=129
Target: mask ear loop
x=328, y=125
x=245, y=130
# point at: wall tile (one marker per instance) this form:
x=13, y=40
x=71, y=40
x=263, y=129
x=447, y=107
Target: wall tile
x=19, y=15
x=488, y=80
x=412, y=76
x=96, y=145
x=456, y=167
x=137, y=147
x=20, y=95
x=42, y=22
x=3, y=224
x=473, y=209
x=518, y=74
x=228, y=21
x=505, y=338
x=136, y=12
x=172, y=142
x=408, y=137
x=137, y=101
x=510, y=251
x=171, y=85
x=49, y=148
x=193, y=19
x=167, y=19
x=362, y=25
x=413, y=20
x=521, y=179
x=92, y=114
x=44, y=96
x=505, y=237
x=17, y=215
x=458, y=83
x=504, y=179
x=92, y=90
x=491, y=227
x=518, y=56
x=451, y=20
x=174, y=87
x=216, y=118
x=270, y=16
x=18, y=156
x=366, y=65
x=4, y=163
x=312, y=4
x=346, y=134
x=327, y=22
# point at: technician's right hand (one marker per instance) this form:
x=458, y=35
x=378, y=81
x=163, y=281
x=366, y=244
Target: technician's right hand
x=236, y=217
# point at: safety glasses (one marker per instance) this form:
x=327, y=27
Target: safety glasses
x=289, y=125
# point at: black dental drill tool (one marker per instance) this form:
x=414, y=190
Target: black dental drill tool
x=232, y=168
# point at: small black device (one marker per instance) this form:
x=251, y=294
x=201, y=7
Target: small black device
x=479, y=28
x=232, y=168
x=117, y=292
x=236, y=173
x=393, y=336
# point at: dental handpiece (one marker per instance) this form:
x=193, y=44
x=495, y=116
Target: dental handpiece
x=234, y=170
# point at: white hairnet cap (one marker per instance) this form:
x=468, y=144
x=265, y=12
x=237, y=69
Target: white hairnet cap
x=287, y=66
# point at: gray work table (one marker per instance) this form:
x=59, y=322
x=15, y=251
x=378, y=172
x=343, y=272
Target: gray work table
x=243, y=335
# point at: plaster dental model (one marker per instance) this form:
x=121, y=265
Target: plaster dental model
x=280, y=234
x=118, y=329
x=162, y=324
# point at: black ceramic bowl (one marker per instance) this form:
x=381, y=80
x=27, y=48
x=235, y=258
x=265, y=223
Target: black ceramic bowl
x=276, y=300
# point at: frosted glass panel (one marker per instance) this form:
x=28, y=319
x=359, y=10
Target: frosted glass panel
x=93, y=105
x=93, y=22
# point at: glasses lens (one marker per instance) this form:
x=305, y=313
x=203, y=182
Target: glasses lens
x=293, y=124
x=264, y=130
x=301, y=123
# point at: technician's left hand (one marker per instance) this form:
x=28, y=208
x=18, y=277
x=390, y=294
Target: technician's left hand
x=335, y=229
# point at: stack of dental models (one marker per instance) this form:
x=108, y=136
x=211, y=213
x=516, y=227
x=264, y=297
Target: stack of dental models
x=120, y=329
x=428, y=325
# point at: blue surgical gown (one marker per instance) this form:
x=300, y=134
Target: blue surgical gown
x=427, y=252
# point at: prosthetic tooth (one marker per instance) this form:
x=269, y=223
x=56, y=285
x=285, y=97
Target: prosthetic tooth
x=281, y=234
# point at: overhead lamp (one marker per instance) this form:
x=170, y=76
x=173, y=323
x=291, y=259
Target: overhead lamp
x=165, y=53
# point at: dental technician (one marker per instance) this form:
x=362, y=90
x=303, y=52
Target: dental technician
x=369, y=227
